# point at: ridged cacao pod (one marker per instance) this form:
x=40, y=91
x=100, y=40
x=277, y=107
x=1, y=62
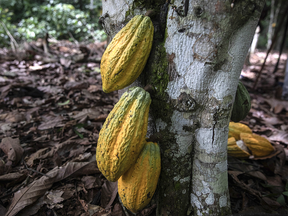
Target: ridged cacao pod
x=121, y=137
x=237, y=149
x=126, y=55
x=258, y=145
x=137, y=186
x=242, y=103
x=236, y=128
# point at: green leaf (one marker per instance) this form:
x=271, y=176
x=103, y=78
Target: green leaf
x=285, y=193
x=281, y=200
x=80, y=125
x=64, y=103
x=79, y=134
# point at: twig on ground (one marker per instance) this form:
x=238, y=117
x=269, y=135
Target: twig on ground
x=33, y=170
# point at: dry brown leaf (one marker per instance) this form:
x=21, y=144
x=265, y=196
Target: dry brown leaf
x=91, y=96
x=72, y=146
x=76, y=85
x=2, y=167
x=31, y=193
x=13, y=116
x=52, y=199
x=41, y=153
x=148, y=211
x=117, y=210
x=92, y=113
x=65, y=62
x=78, y=151
x=64, y=49
x=243, y=167
x=101, y=118
x=5, y=90
x=92, y=209
x=3, y=210
x=55, y=196
x=51, y=122
x=271, y=203
x=278, y=108
x=12, y=176
x=84, y=204
x=108, y=194
x=273, y=102
x=32, y=209
x=12, y=148
x=88, y=169
x=94, y=88
x=280, y=136
x=87, y=156
x=53, y=90
x=271, y=121
x=37, y=188
x=5, y=127
x=276, y=181
x=90, y=182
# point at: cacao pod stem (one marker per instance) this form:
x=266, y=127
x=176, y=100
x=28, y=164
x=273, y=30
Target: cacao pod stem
x=149, y=88
x=150, y=13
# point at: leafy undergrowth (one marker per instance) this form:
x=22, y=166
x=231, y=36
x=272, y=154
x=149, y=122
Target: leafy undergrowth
x=52, y=109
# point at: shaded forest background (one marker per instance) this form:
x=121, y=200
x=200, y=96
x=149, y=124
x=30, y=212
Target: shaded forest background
x=26, y=20
x=78, y=20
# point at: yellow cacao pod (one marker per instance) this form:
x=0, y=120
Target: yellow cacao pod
x=236, y=128
x=258, y=145
x=137, y=186
x=121, y=137
x=237, y=150
x=126, y=55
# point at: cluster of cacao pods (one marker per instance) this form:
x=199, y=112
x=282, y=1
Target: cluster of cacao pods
x=242, y=143
x=123, y=153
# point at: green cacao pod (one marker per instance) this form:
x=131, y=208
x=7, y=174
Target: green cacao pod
x=242, y=103
x=126, y=55
x=121, y=137
x=137, y=186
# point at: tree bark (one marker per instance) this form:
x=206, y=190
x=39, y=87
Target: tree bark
x=198, y=52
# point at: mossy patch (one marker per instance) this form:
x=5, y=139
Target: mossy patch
x=159, y=78
x=177, y=185
x=159, y=69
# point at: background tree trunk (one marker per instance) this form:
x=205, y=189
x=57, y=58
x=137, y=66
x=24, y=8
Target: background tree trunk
x=197, y=55
x=274, y=11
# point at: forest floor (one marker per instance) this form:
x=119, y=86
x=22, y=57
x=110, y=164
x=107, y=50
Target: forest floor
x=52, y=108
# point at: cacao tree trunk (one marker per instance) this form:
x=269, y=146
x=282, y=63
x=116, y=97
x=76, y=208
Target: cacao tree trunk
x=197, y=55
